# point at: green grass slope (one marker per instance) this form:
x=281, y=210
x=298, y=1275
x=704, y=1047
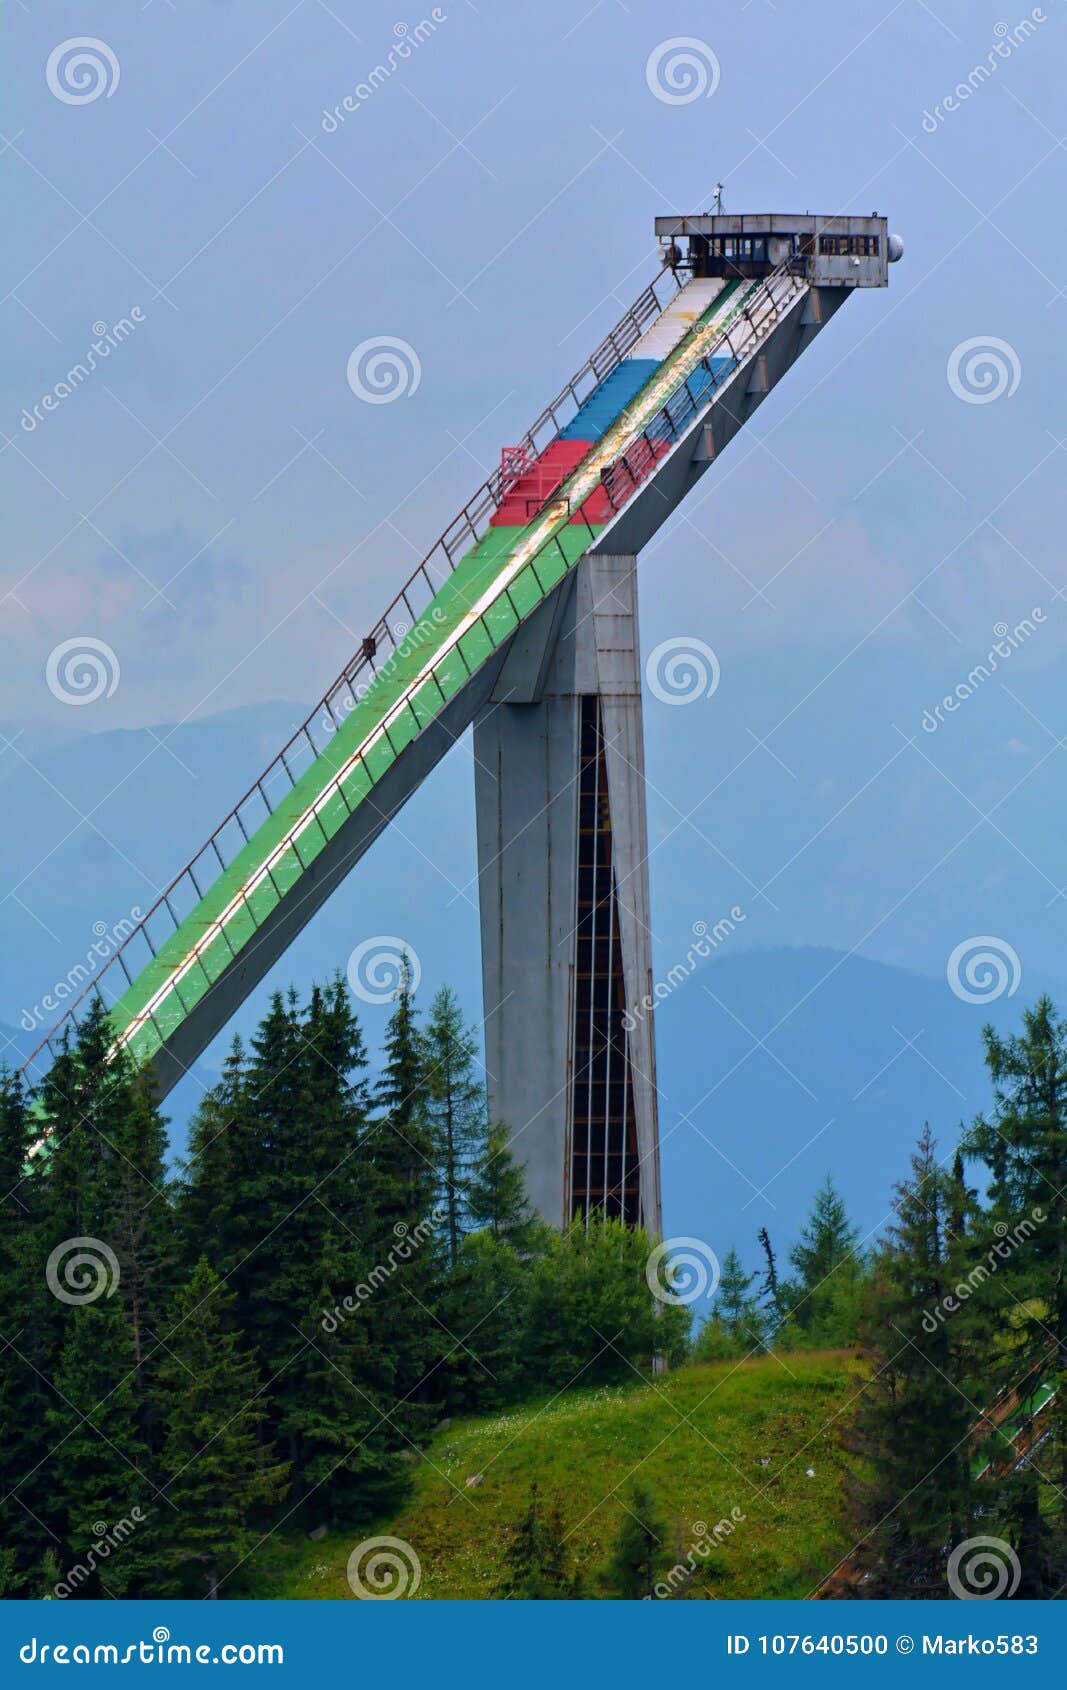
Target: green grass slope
x=759, y=1436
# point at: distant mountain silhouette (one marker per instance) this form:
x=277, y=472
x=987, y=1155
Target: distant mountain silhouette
x=855, y=1057
x=104, y=820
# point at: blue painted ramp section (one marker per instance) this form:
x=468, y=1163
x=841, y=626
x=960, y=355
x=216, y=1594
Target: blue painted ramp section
x=612, y=396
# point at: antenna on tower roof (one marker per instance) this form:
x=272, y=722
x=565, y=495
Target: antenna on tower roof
x=718, y=205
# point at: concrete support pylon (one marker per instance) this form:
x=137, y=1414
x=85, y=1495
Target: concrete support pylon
x=563, y=882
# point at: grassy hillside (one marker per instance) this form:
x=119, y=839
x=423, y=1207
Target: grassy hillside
x=759, y=1436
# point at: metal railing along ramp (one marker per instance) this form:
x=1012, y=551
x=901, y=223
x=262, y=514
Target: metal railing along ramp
x=592, y=456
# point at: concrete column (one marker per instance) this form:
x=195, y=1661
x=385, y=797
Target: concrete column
x=576, y=661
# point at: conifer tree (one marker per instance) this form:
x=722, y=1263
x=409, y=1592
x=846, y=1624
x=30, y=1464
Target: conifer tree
x=455, y=1107
x=215, y=1187
x=915, y=1417
x=485, y=1306
x=25, y=1358
x=536, y=1560
x=404, y=1242
x=736, y=1324
x=100, y=1468
x=639, y=1553
x=770, y=1289
x=496, y=1196
x=137, y=1216
x=216, y=1474
x=1016, y=1247
x=337, y=1415
x=823, y=1301
x=103, y=1168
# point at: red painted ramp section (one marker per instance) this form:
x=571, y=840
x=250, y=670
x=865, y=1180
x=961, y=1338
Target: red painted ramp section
x=527, y=482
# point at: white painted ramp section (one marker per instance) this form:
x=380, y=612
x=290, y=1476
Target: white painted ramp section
x=685, y=309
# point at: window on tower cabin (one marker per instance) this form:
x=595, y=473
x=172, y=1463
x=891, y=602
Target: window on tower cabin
x=848, y=246
x=751, y=248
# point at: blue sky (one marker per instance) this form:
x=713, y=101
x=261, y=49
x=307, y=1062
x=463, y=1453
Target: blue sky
x=492, y=204
x=218, y=507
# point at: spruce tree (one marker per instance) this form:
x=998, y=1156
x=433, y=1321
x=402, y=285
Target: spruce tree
x=214, y=1190
x=485, y=1306
x=404, y=1242
x=99, y=1469
x=1017, y=1251
x=823, y=1301
x=137, y=1217
x=216, y=1474
x=496, y=1196
x=25, y=1351
x=639, y=1553
x=915, y=1417
x=337, y=1410
x=736, y=1325
x=536, y=1560
x=455, y=1108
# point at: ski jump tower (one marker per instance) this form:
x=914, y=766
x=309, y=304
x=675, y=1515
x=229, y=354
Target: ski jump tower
x=521, y=622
